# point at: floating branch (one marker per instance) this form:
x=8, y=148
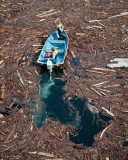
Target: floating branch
x=106, y=110
x=73, y=54
x=64, y=71
x=104, y=131
x=49, y=14
x=119, y=15
x=104, y=90
x=96, y=91
x=34, y=45
x=99, y=84
x=70, y=66
x=97, y=20
x=94, y=71
x=2, y=92
x=104, y=69
x=1, y=62
x=43, y=20
x=42, y=154
x=109, y=86
x=55, y=136
x=81, y=34
x=90, y=27
x=21, y=80
x=44, y=13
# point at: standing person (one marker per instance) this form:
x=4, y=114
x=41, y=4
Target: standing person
x=60, y=29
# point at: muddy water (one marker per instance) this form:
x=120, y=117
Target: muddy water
x=55, y=108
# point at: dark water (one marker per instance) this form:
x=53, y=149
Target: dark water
x=56, y=108
x=90, y=124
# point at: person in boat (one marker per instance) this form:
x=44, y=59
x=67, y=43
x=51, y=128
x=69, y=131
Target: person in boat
x=54, y=53
x=60, y=29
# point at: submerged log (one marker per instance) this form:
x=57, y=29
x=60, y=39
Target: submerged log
x=92, y=108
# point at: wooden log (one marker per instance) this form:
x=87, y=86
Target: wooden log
x=42, y=154
x=119, y=15
x=73, y=54
x=106, y=110
x=2, y=95
x=41, y=16
x=34, y=45
x=94, y=71
x=96, y=91
x=104, y=69
x=90, y=27
x=99, y=84
x=104, y=131
x=1, y=116
x=20, y=78
x=1, y=62
x=80, y=34
x=44, y=13
x=64, y=71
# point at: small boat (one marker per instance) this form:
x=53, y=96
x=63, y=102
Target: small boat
x=60, y=45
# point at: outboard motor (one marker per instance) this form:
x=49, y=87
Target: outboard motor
x=49, y=65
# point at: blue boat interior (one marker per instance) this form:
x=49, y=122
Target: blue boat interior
x=51, y=43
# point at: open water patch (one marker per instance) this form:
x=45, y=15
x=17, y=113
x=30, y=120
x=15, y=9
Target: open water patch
x=90, y=124
x=56, y=108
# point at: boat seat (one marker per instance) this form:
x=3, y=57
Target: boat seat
x=56, y=41
x=59, y=50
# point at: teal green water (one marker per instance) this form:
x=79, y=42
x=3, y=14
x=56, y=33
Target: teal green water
x=54, y=107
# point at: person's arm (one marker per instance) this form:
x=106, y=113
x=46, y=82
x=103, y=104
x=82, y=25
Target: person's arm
x=53, y=56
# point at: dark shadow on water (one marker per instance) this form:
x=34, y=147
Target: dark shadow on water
x=89, y=126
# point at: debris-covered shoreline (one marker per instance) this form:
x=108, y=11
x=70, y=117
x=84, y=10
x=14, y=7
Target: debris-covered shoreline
x=98, y=33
